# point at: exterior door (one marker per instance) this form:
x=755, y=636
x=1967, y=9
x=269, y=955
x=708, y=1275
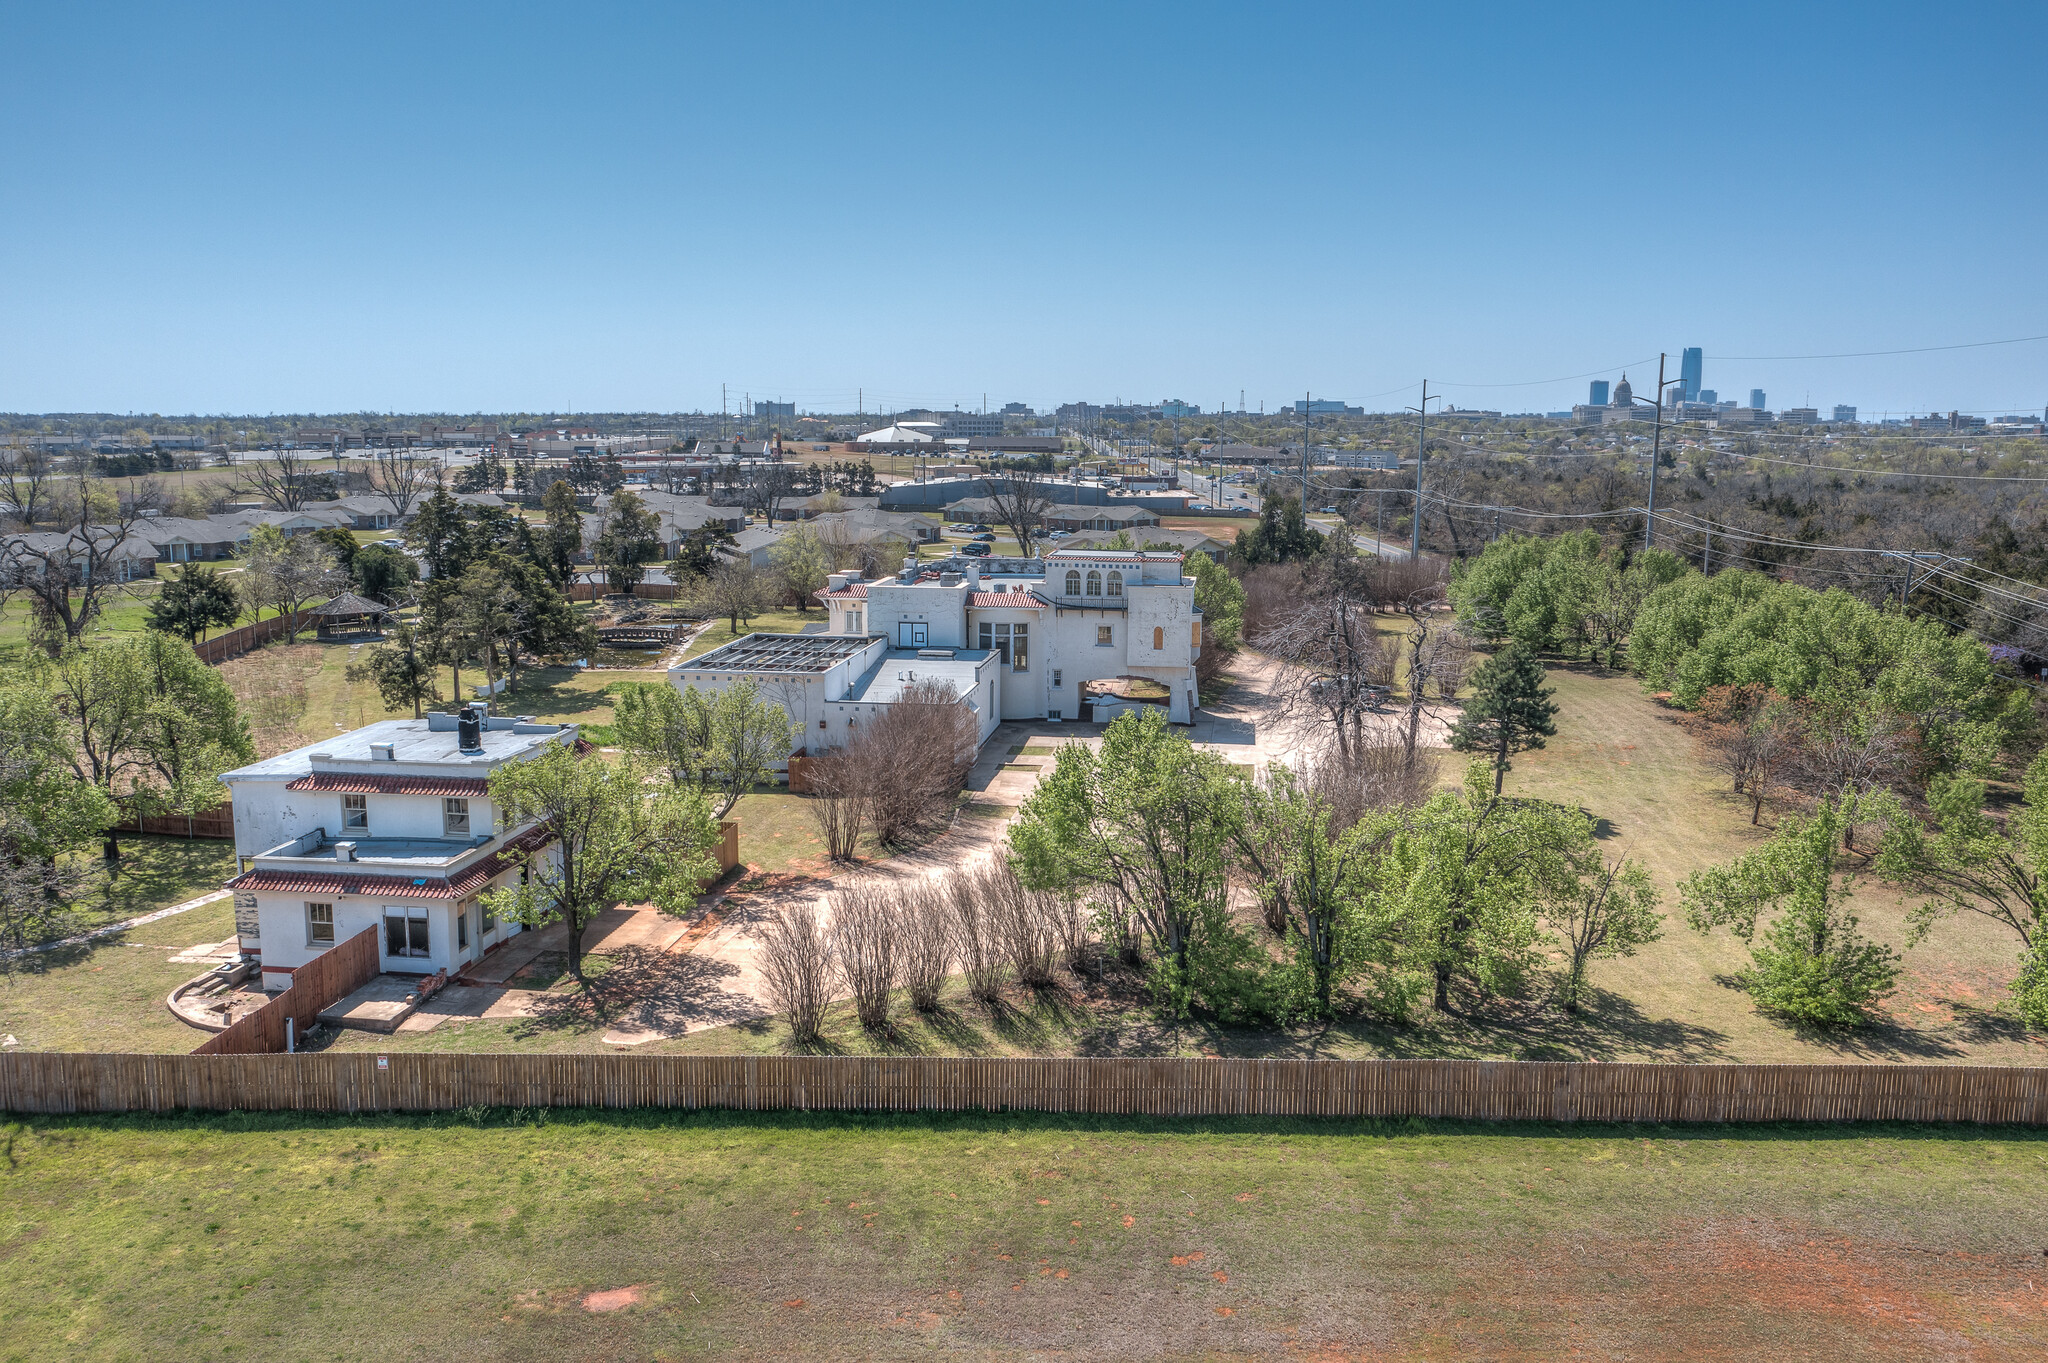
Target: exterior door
x=910, y=634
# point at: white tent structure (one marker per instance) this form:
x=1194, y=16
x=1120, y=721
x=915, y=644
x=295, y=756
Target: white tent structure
x=906, y=433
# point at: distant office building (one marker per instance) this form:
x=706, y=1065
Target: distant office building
x=1017, y=409
x=1709, y=396
x=1589, y=413
x=1799, y=416
x=1689, y=374
x=1175, y=407
x=1363, y=459
x=1844, y=413
x=775, y=409
x=1325, y=406
x=973, y=423
x=1596, y=393
x=1756, y=398
x=1558, y=416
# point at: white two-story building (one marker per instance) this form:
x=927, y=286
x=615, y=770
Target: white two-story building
x=1078, y=634
x=389, y=827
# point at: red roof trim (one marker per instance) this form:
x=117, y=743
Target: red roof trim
x=1015, y=601
x=463, y=882
x=856, y=591
x=363, y=783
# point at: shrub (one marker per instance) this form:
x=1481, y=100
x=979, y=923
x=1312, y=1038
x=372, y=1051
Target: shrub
x=866, y=938
x=797, y=966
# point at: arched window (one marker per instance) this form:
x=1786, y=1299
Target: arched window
x=1094, y=583
x=1116, y=584
x=1073, y=582
x=1158, y=639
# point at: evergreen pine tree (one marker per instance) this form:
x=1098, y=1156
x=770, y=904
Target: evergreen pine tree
x=1510, y=710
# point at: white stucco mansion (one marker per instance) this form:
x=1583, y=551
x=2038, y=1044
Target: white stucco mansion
x=1079, y=634
x=389, y=827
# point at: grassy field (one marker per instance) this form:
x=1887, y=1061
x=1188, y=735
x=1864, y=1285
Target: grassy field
x=495, y=1236
x=108, y=994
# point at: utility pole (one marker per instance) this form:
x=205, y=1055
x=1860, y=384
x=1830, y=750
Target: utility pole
x=1304, y=453
x=1656, y=450
x=1421, y=446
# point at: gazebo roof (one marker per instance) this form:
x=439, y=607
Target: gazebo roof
x=348, y=603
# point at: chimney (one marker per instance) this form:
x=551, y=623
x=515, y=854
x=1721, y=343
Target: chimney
x=973, y=576
x=382, y=752
x=344, y=851
x=835, y=582
x=469, y=730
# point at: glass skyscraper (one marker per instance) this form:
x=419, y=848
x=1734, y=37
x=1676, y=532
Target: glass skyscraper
x=1596, y=394
x=1689, y=374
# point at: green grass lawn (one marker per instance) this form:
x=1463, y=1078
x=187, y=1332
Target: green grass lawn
x=487, y=1235
x=108, y=994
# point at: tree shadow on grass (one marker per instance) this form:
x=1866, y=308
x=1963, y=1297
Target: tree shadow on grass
x=642, y=989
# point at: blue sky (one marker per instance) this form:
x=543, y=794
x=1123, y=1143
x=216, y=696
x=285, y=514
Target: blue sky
x=591, y=207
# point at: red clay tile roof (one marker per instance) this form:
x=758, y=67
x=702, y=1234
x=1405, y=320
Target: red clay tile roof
x=854, y=591
x=1015, y=601
x=361, y=783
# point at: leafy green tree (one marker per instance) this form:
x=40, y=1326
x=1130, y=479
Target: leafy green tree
x=802, y=562
x=50, y=809
x=286, y=573
x=611, y=838
x=1283, y=535
x=438, y=534
x=1146, y=823
x=197, y=600
x=723, y=742
x=148, y=724
x=340, y=543
x=402, y=668
x=1220, y=598
x=1460, y=885
x=1967, y=863
x=1812, y=965
x=383, y=573
x=628, y=541
x=1510, y=710
x=1611, y=912
x=699, y=552
x=1314, y=880
x=564, y=537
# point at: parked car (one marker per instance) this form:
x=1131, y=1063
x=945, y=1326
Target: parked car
x=976, y=550
x=977, y=528
x=985, y=538
x=392, y=544
x=1059, y=534
x=1330, y=511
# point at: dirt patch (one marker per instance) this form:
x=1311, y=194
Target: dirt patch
x=615, y=1299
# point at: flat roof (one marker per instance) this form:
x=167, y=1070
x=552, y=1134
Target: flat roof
x=779, y=653
x=413, y=742
x=901, y=668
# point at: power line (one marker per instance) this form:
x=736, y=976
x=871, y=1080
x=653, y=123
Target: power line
x=1866, y=354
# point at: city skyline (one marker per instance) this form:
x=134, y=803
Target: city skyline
x=395, y=209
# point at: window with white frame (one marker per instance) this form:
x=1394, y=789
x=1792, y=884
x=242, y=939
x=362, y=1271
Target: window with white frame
x=454, y=815
x=355, y=813
x=1073, y=582
x=1104, y=636
x=319, y=925
x=1020, y=648
x=1094, y=583
x=1057, y=678
x=1116, y=584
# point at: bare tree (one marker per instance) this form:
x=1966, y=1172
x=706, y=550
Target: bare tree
x=1755, y=735
x=1435, y=650
x=927, y=945
x=866, y=933
x=1343, y=670
x=978, y=942
x=1024, y=923
x=913, y=758
x=286, y=480
x=1068, y=918
x=1375, y=773
x=1848, y=751
x=404, y=477
x=25, y=482
x=736, y=589
x=287, y=573
x=768, y=486
x=68, y=575
x=1022, y=498
x=797, y=967
x=838, y=802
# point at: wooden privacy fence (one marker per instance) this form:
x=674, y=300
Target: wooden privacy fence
x=218, y=822
x=52, y=1082
x=332, y=975
x=236, y=642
